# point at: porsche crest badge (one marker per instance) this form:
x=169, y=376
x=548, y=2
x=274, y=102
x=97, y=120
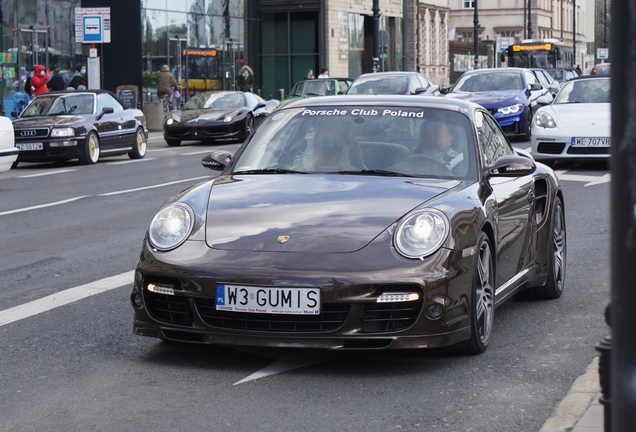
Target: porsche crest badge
x=282, y=239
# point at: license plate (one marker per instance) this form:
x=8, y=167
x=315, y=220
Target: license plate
x=590, y=142
x=271, y=300
x=29, y=146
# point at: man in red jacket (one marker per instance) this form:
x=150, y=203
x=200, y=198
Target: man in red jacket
x=39, y=80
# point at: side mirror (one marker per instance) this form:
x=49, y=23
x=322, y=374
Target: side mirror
x=545, y=99
x=536, y=87
x=445, y=90
x=217, y=160
x=420, y=90
x=512, y=166
x=106, y=110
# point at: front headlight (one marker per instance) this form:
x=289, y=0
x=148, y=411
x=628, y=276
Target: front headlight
x=227, y=119
x=512, y=109
x=544, y=120
x=421, y=233
x=169, y=121
x=171, y=226
x=62, y=132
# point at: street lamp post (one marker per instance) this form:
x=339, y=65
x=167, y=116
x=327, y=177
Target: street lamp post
x=529, y=19
x=476, y=36
x=604, y=23
x=574, y=30
x=376, y=33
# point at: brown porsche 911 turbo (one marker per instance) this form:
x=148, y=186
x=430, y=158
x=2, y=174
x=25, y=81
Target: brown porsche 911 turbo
x=357, y=222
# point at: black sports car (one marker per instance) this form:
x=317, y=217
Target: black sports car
x=355, y=222
x=85, y=125
x=217, y=116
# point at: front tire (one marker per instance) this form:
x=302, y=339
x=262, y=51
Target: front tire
x=173, y=142
x=528, y=134
x=91, y=151
x=482, y=313
x=249, y=126
x=139, y=148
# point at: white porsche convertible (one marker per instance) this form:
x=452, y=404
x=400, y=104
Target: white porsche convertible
x=8, y=151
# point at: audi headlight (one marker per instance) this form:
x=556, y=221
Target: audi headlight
x=171, y=226
x=544, y=120
x=512, y=109
x=421, y=233
x=62, y=132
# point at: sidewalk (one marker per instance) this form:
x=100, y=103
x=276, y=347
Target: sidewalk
x=580, y=410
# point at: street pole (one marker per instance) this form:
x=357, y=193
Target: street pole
x=376, y=32
x=476, y=35
x=604, y=23
x=574, y=30
x=529, y=19
x=405, y=35
x=623, y=217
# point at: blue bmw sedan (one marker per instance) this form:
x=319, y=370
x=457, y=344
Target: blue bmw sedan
x=512, y=95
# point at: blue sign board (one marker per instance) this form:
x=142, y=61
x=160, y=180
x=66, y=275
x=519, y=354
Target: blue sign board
x=92, y=29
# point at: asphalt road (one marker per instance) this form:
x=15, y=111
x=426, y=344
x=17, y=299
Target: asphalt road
x=78, y=367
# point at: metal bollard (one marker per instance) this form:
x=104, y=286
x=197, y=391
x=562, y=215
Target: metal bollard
x=604, y=369
x=281, y=94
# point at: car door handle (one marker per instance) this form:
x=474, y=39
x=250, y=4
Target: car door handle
x=530, y=195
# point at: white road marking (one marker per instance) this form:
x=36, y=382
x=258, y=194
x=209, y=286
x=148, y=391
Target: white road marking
x=277, y=367
x=65, y=297
x=47, y=173
x=153, y=186
x=20, y=210
x=130, y=161
x=589, y=180
x=42, y=206
x=159, y=150
x=196, y=152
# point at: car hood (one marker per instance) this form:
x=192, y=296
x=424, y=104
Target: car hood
x=493, y=99
x=31, y=122
x=208, y=114
x=310, y=213
x=575, y=115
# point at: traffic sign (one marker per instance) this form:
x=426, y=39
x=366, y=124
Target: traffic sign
x=92, y=25
x=602, y=53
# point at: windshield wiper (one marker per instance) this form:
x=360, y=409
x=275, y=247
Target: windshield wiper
x=374, y=172
x=269, y=171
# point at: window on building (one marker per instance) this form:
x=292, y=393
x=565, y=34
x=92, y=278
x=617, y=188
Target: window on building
x=469, y=4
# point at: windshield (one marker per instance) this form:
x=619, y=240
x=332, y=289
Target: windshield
x=584, y=91
x=314, y=88
x=489, y=81
x=385, y=141
x=379, y=85
x=215, y=100
x=60, y=105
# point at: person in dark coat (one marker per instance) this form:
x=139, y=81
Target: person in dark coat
x=57, y=81
x=246, y=78
x=78, y=77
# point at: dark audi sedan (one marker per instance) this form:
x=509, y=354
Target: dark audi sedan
x=85, y=125
x=355, y=222
x=224, y=116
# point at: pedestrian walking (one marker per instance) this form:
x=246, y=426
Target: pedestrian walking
x=324, y=73
x=78, y=78
x=310, y=74
x=39, y=80
x=246, y=78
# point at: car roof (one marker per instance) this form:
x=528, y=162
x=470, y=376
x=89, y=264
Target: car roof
x=379, y=100
x=390, y=73
x=589, y=77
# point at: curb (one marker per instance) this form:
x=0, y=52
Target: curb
x=575, y=402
